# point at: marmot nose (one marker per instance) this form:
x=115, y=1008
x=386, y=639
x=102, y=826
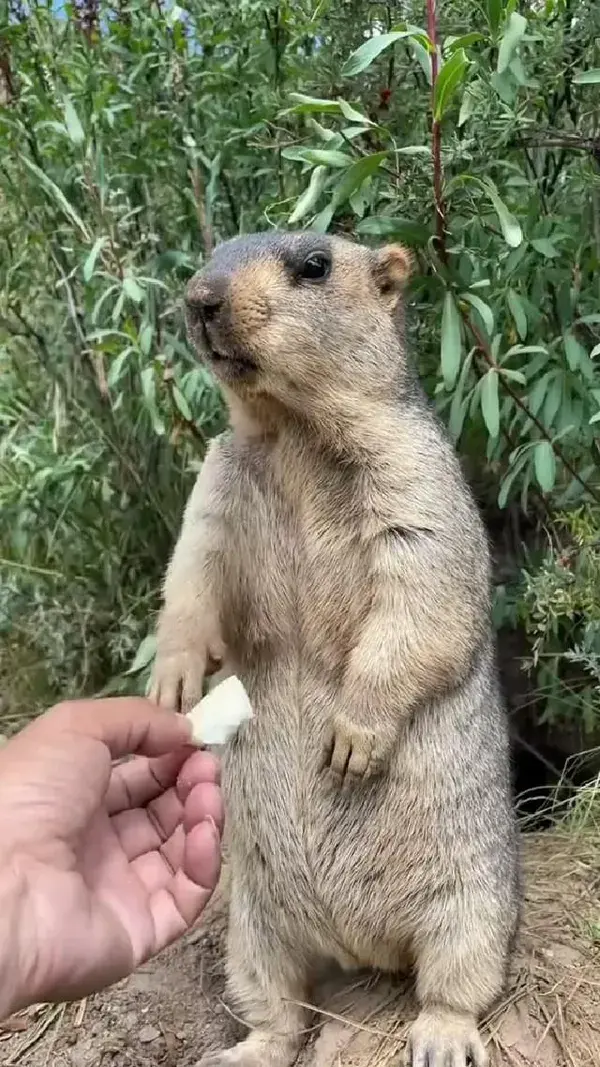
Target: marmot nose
x=206, y=296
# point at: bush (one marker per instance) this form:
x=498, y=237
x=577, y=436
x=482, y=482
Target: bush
x=135, y=137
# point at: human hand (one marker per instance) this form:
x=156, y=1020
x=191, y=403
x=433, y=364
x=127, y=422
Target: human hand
x=101, y=866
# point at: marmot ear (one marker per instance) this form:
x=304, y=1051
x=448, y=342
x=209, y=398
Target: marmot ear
x=392, y=269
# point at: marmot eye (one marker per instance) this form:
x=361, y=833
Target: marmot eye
x=315, y=267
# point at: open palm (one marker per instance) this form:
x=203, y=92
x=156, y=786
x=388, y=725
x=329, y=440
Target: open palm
x=112, y=863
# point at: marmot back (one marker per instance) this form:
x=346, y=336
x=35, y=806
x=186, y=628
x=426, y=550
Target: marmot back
x=332, y=556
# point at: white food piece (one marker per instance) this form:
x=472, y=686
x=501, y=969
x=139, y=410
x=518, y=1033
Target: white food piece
x=217, y=717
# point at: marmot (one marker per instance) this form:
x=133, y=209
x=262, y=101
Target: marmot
x=332, y=557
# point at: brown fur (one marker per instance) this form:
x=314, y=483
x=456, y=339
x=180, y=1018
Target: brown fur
x=331, y=555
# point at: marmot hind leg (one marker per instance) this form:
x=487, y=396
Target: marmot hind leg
x=264, y=978
x=461, y=963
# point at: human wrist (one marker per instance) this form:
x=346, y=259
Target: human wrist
x=13, y=968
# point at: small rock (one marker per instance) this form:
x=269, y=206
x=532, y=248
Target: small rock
x=148, y=1034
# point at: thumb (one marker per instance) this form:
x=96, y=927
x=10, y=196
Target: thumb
x=126, y=725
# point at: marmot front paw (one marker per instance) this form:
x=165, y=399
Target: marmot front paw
x=352, y=751
x=178, y=676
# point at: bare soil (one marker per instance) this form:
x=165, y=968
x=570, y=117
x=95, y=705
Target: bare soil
x=174, y=1009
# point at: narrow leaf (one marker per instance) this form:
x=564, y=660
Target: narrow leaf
x=588, y=77
x=313, y=103
x=513, y=33
x=144, y=655
x=517, y=311
x=451, y=341
x=90, y=263
x=448, y=80
x=364, y=56
x=484, y=310
x=511, y=230
x=182, y=404
x=310, y=196
x=133, y=290
x=574, y=351
x=355, y=176
x=56, y=194
x=490, y=404
x=117, y=367
x=327, y=157
x=494, y=14
x=467, y=106
x=74, y=127
x=545, y=247
x=544, y=462
x=352, y=115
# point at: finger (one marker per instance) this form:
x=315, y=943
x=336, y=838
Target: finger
x=142, y=830
x=204, y=801
x=201, y=867
x=199, y=767
x=135, y=783
x=149, y=837
x=126, y=725
x=176, y=907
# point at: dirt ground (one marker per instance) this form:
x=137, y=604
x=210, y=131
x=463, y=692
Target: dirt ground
x=173, y=1009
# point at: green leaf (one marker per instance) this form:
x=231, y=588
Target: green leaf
x=451, y=349
x=460, y=403
x=311, y=194
x=364, y=56
x=322, y=221
x=182, y=404
x=515, y=28
x=448, y=80
x=90, y=263
x=144, y=655
x=74, y=127
x=327, y=157
x=494, y=14
x=352, y=115
x=574, y=351
x=407, y=230
x=505, y=86
x=422, y=56
x=355, y=176
x=511, y=230
x=145, y=338
x=544, y=462
x=490, y=404
x=323, y=132
x=57, y=194
x=117, y=367
x=514, y=375
x=588, y=77
x=464, y=41
x=313, y=103
x=517, y=311
x=133, y=290
x=545, y=247
x=468, y=104
x=484, y=310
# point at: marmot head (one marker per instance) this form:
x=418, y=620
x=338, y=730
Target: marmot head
x=300, y=318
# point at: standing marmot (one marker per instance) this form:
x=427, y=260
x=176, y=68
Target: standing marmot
x=332, y=556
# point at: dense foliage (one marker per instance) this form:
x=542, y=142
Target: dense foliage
x=135, y=135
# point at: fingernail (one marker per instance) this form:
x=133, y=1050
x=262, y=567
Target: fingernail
x=211, y=822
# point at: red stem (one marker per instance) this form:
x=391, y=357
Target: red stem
x=436, y=140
